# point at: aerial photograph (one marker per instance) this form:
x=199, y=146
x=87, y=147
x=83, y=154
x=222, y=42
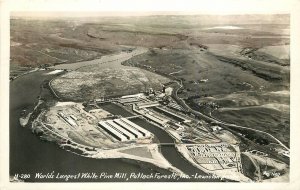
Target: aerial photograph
x=166, y=97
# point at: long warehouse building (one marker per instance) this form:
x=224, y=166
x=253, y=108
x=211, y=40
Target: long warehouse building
x=130, y=129
x=135, y=126
x=171, y=114
x=120, y=129
x=110, y=130
x=123, y=129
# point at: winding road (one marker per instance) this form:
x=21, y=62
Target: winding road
x=188, y=108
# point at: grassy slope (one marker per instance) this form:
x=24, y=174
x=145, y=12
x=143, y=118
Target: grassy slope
x=179, y=41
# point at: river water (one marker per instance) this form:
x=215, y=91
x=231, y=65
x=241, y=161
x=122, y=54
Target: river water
x=30, y=155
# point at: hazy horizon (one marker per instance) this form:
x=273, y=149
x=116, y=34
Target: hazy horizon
x=202, y=19
x=76, y=14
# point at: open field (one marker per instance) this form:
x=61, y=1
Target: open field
x=193, y=67
x=231, y=77
x=274, y=54
x=268, y=120
x=106, y=79
x=280, y=52
x=83, y=86
x=40, y=42
x=267, y=111
x=139, y=151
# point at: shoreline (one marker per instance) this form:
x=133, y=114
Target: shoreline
x=158, y=160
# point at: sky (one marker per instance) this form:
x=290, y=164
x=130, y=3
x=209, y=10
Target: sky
x=148, y=7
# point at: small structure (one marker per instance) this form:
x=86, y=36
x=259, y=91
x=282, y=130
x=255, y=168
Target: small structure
x=216, y=128
x=168, y=91
x=73, y=117
x=68, y=119
x=147, y=104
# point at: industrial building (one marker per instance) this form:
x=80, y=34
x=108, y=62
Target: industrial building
x=175, y=106
x=129, y=100
x=112, y=131
x=68, y=119
x=127, y=127
x=123, y=129
x=151, y=115
x=136, y=127
x=171, y=114
x=147, y=104
x=73, y=117
x=140, y=95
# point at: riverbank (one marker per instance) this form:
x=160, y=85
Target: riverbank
x=24, y=94
x=49, y=128
x=29, y=154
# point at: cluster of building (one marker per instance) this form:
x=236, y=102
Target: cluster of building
x=257, y=152
x=153, y=111
x=156, y=118
x=220, y=155
x=123, y=130
x=171, y=115
x=71, y=120
x=285, y=153
x=209, y=150
x=175, y=106
x=147, y=104
x=130, y=99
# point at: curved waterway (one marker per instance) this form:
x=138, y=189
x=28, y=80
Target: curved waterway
x=30, y=155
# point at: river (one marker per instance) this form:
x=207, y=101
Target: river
x=30, y=155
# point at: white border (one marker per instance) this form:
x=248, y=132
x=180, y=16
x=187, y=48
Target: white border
x=142, y=6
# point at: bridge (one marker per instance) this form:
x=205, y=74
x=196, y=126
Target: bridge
x=103, y=101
